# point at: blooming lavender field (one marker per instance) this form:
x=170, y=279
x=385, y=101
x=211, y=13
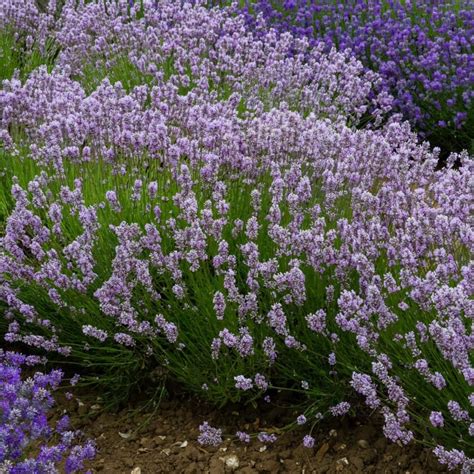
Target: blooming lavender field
x=422, y=51
x=241, y=209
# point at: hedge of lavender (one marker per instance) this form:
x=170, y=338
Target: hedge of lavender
x=186, y=198
x=423, y=51
x=28, y=441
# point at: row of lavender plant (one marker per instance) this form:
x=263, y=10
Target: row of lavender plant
x=28, y=441
x=186, y=193
x=423, y=51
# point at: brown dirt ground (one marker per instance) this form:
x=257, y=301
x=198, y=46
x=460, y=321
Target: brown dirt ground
x=166, y=442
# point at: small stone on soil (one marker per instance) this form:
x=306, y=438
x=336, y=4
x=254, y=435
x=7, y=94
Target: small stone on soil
x=231, y=461
x=363, y=443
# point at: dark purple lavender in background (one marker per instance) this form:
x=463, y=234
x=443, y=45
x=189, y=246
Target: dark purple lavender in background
x=423, y=50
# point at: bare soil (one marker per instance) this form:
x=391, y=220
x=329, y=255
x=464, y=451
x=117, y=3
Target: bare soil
x=164, y=440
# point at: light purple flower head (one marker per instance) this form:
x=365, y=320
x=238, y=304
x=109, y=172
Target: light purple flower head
x=308, y=441
x=437, y=419
x=243, y=383
x=209, y=436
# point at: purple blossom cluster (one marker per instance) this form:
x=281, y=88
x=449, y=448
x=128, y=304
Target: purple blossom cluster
x=423, y=51
x=228, y=210
x=257, y=74
x=29, y=23
x=209, y=436
x=308, y=441
x=25, y=403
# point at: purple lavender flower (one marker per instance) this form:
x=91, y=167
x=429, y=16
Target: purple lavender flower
x=453, y=458
x=261, y=382
x=209, y=436
x=363, y=384
x=243, y=437
x=269, y=348
x=219, y=305
x=267, y=200
x=421, y=52
x=245, y=344
x=308, y=441
x=437, y=419
x=243, y=383
x=169, y=329
x=152, y=189
x=340, y=409
x=75, y=379
x=264, y=437
x=24, y=426
x=457, y=412
x=124, y=339
x=301, y=420
x=111, y=197
x=317, y=321
x=91, y=331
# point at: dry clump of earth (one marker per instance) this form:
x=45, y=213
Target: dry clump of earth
x=164, y=439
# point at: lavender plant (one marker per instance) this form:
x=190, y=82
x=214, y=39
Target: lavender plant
x=26, y=37
x=28, y=442
x=215, y=209
x=422, y=50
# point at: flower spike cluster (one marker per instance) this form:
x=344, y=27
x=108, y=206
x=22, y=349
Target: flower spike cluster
x=25, y=403
x=212, y=204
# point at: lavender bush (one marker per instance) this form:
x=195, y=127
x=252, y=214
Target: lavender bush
x=423, y=51
x=186, y=193
x=28, y=442
x=26, y=39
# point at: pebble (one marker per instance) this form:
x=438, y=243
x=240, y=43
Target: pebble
x=81, y=408
x=363, y=443
x=341, y=464
x=231, y=461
